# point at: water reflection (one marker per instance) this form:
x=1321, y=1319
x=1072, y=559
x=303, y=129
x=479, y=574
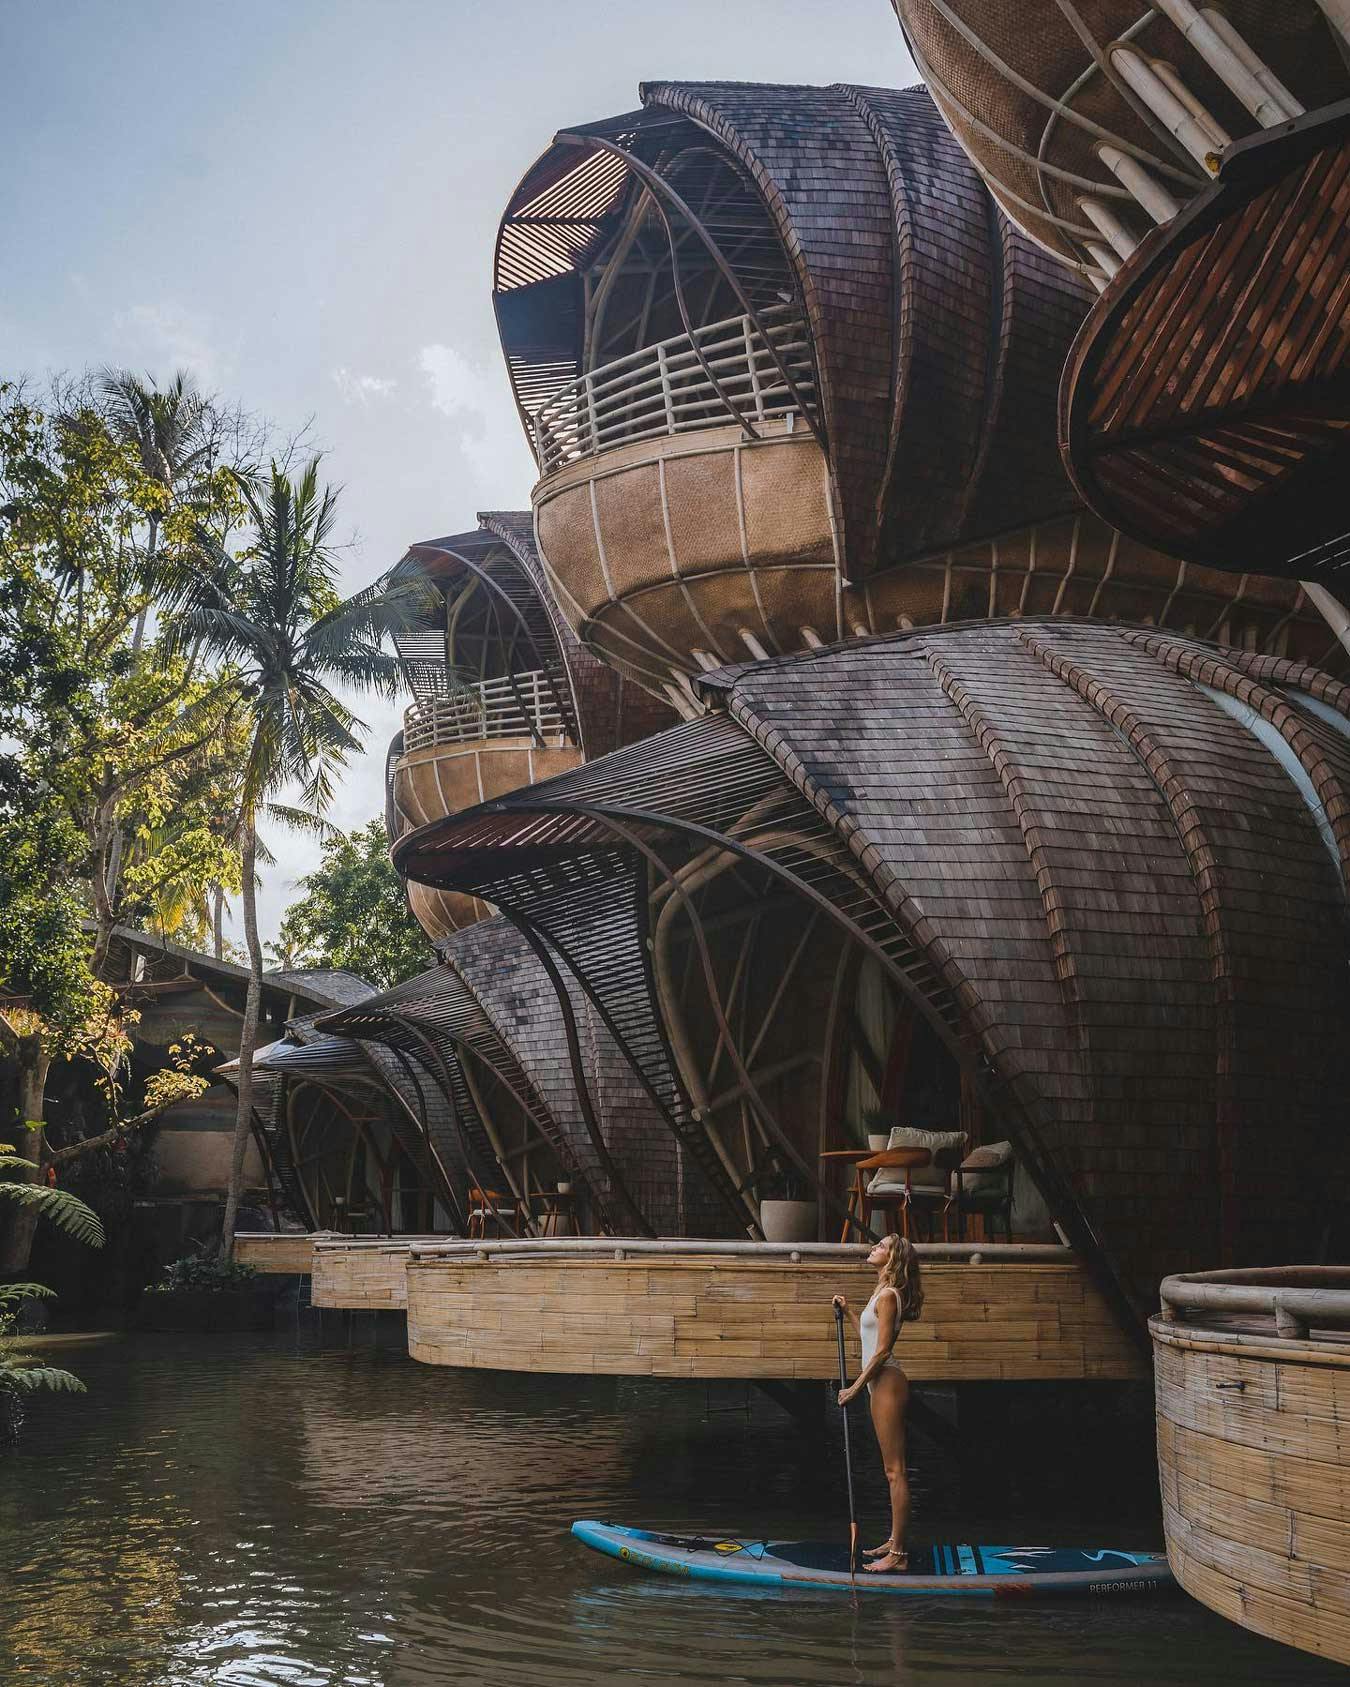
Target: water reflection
x=219, y=1512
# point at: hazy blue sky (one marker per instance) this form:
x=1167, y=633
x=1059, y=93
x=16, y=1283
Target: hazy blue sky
x=298, y=200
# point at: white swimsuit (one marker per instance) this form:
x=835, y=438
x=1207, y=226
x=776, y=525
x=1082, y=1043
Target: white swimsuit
x=867, y=1329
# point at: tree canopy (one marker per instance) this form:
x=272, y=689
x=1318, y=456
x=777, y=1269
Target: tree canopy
x=354, y=913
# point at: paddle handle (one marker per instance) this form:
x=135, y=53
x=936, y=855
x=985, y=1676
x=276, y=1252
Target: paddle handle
x=848, y=1450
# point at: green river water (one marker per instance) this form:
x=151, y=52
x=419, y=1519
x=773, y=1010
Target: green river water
x=251, y=1512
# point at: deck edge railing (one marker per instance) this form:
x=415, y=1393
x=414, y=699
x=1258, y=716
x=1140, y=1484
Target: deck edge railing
x=1299, y=1298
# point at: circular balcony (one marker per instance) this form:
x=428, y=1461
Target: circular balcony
x=464, y=747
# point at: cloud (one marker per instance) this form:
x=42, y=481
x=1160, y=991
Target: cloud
x=488, y=428
x=167, y=336
x=361, y=389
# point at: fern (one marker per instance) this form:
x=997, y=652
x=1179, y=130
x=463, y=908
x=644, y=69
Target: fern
x=10, y=1293
x=21, y=1373
x=66, y=1211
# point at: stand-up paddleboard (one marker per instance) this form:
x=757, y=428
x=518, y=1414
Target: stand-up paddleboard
x=991, y=1572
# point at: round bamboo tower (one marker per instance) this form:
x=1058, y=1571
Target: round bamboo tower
x=790, y=378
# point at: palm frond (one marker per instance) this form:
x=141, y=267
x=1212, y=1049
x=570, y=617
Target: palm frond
x=302, y=820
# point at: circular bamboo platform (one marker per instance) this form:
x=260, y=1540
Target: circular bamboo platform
x=752, y=1310
x=1252, y=1373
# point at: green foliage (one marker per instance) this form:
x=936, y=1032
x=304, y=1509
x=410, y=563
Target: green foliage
x=114, y=737
x=354, y=913
x=23, y=1373
x=271, y=615
x=203, y=1271
x=58, y=1206
x=44, y=951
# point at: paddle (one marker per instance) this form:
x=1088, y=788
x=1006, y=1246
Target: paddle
x=848, y=1450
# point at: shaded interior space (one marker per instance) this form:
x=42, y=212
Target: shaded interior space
x=354, y=1172
x=801, y=1056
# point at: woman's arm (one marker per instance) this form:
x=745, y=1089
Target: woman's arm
x=888, y=1328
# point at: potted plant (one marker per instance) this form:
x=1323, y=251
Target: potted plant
x=787, y=1209
x=203, y=1293
x=878, y=1122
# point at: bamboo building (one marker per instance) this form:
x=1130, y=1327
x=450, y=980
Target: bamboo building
x=979, y=815
x=1193, y=163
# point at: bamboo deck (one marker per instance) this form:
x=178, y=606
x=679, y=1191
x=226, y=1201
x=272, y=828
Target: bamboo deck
x=272, y=1252
x=361, y=1274
x=756, y=1313
x=1253, y=1437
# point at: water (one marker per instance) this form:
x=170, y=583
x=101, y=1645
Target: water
x=232, y=1511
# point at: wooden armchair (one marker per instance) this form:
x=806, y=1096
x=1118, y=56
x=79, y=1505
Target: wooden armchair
x=984, y=1186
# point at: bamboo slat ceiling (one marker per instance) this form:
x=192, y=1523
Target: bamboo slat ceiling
x=1206, y=405
x=1113, y=861
x=935, y=326
x=1031, y=92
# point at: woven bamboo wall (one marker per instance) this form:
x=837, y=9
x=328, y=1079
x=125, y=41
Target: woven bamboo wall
x=1254, y=1465
x=705, y=1318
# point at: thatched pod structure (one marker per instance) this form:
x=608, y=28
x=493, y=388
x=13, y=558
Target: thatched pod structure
x=503, y=692
x=1076, y=886
x=790, y=378
x=537, y=1091
x=1199, y=157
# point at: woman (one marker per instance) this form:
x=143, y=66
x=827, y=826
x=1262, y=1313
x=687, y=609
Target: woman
x=898, y=1299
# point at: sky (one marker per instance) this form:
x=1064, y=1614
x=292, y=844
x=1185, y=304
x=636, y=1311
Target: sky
x=297, y=202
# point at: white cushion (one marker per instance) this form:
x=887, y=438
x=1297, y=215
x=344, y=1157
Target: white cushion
x=930, y=1176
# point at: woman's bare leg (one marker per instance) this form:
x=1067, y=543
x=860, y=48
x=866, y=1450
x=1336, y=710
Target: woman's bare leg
x=890, y=1399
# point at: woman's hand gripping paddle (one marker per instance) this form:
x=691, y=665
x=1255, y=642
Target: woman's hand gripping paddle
x=848, y=1451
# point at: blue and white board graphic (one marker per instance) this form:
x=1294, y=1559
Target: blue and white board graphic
x=938, y=1567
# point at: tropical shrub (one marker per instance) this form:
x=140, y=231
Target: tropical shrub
x=203, y=1271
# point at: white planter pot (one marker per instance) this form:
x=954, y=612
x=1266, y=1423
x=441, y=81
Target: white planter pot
x=878, y=1143
x=788, y=1221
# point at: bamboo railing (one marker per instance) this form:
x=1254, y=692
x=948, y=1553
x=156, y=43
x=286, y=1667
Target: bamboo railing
x=726, y=371
x=511, y=706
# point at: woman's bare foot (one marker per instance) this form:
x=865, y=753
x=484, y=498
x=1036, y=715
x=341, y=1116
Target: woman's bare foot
x=876, y=1551
x=891, y=1562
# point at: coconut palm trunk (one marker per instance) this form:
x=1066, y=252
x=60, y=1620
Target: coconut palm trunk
x=32, y=1061
x=248, y=1041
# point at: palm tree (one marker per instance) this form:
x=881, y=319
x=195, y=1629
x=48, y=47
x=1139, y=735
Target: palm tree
x=170, y=431
x=272, y=615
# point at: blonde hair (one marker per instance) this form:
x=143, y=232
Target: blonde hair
x=901, y=1273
